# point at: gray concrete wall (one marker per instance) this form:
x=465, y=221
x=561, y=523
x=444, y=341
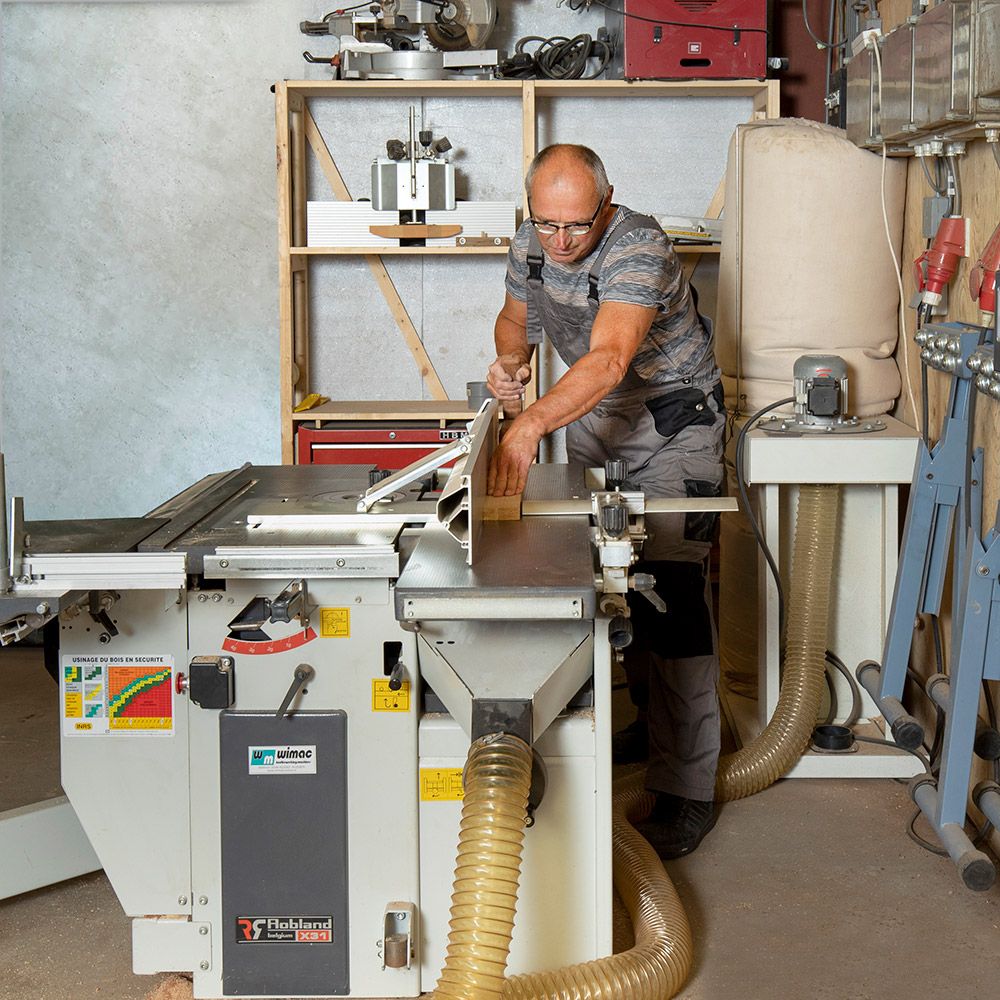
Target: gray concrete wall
x=139, y=291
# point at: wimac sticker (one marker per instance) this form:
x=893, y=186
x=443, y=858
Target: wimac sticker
x=275, y=759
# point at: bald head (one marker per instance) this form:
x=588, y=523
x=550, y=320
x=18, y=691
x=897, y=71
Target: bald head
x=565, y=170
x=569, y=196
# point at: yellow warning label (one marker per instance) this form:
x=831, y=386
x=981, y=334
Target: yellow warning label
x=139, y=722
x=335, y=623
x=386, y=700
x=74, y=705
x=441, y=784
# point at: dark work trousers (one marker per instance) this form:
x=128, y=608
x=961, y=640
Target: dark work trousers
x=672, y=438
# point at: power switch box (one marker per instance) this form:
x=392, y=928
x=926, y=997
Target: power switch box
x=212, y=681
x=936, y=207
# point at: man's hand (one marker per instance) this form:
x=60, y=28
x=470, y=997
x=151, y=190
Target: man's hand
x=507, y=377
x=512, y=459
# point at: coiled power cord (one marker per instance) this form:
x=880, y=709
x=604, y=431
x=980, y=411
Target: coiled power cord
x=556, y=58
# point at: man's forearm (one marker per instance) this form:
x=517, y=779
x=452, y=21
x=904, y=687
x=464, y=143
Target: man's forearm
x=511, y=339
x=585, y=384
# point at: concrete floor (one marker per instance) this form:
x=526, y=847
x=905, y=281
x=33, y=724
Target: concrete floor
x=808, y=890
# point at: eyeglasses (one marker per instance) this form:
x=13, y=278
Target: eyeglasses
x=572, y=228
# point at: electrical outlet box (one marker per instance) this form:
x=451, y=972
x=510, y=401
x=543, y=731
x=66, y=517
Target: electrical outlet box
x=935, y=209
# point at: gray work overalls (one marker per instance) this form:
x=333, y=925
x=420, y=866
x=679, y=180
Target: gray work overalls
x=671, y=435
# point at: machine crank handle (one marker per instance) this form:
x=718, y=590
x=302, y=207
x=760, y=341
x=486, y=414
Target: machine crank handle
x=643, y=583
x=98, y=607
x=397, y=675
x=620, y=632
x=289, y=603
x=302, y=676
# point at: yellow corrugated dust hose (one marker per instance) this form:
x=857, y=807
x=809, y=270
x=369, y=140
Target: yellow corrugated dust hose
x=498, y=780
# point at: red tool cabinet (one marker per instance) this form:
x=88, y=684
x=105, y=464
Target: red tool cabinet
x=389, y=435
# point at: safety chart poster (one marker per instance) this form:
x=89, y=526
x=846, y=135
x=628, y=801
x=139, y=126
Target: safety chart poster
x=114, y=695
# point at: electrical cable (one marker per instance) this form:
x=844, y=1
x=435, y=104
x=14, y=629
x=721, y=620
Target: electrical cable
x=956, y=183
x=987, y=827
x=733, y=29
x=924, y=404
x=969, y=454
x=345, y=10
x=748, y=511
x=895, y=260
x=567, y=58
x=910, y=827
x=895, y=746
x=820, y=44
x=939, y=173
x=911, y=832
x=557, y=58
x=828, y=64
x=991, y=712
x=991, y=709
x=832, y=660
x=831, y=689
x=935, y=185
x=856, y=703
x=996, y=151
x=937, y=744
x=922, y=311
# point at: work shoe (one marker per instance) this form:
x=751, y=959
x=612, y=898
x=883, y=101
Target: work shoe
x=631, y=744
x=677, y=825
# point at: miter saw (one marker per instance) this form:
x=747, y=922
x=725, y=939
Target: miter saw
x=410, y=39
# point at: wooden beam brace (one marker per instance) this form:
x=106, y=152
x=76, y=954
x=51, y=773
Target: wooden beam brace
x=286, y=317
x=529, y=142
x=424, y=364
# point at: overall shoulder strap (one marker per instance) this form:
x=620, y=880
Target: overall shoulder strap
x=535, y=260
x=626, y=225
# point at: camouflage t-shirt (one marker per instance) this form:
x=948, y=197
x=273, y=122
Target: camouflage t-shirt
x=642, y=269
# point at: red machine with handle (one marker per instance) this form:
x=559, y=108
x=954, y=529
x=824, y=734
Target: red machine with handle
x=689, y=39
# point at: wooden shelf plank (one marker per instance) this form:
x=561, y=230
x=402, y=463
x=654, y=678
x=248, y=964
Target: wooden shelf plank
x=543, y=88
x=437, y=251
x=649, y=88
x=393, y=88
x=413, y=409
x=392, y=251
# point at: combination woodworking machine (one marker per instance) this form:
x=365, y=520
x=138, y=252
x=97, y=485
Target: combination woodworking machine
x=268, y=688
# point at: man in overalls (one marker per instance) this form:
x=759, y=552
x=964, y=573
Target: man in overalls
x=604, y=284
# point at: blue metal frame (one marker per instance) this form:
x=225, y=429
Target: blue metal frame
x=936, y=497
x=937, y=532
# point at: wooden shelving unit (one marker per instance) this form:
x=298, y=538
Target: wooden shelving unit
x=296, y=130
